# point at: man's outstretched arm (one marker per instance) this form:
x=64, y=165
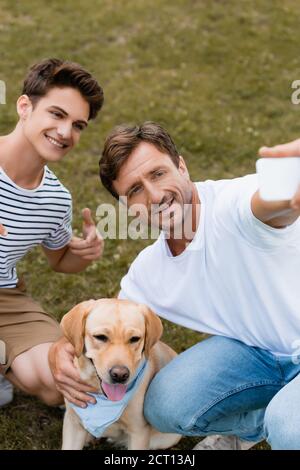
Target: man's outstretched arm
x=278, y=214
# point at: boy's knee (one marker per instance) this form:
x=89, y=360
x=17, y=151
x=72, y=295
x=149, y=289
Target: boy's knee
x=40, y=385
x=50, y=397
x=46, y=392
x=46, y=389
x=29, y=382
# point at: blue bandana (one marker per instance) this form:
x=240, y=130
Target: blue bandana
x=97, y=418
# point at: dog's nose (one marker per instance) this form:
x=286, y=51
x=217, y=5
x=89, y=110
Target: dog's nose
x=119, y=374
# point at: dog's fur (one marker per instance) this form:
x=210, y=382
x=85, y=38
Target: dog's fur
x=118, y=320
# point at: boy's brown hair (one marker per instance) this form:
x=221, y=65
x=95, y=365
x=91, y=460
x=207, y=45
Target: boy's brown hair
x=51, y=73
x=121, y=142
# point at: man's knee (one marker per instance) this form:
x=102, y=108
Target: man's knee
x=156, y=409
x=187, y=385
x=163, y=407
x=282, y=427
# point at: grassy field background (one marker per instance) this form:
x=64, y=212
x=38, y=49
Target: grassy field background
x=217, y=74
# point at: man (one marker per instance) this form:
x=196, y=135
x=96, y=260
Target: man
x=236, y=278
x=233, y=273
x=58, y=100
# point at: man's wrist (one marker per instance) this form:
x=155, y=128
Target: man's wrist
x=53, y=349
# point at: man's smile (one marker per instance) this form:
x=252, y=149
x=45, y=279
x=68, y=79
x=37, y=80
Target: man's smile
x=163, y=207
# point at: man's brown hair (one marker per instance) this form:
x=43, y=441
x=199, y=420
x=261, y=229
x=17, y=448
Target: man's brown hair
x=121, y=142
x=50, y=73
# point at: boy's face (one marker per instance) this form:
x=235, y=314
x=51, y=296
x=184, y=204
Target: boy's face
x=155, y=186
x=54, y=125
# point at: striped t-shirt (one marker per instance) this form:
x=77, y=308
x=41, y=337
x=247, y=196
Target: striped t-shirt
x=31, y=217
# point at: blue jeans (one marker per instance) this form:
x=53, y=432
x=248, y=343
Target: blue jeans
x=222, y=386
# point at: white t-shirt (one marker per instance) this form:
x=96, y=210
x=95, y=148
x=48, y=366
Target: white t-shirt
x=238, y=278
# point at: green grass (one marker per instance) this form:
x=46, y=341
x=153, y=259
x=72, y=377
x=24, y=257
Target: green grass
x=217, y=74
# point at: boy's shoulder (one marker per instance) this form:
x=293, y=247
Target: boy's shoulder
x=52, y=183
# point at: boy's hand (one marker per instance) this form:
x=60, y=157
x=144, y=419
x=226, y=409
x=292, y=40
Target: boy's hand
x=3, y=230
x=91, y=246
x=66, y=376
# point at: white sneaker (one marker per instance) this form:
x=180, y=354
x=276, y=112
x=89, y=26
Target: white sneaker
x=6, y=391
x=220, y=442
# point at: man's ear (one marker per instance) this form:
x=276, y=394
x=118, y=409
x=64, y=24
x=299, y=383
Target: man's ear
x=183, y=168
x=24, y=106
x=154, y=329
x=73, y=324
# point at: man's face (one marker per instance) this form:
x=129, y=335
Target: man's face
x=54, y=125
x=155, y=186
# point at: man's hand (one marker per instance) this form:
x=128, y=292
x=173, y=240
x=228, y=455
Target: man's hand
x=290, y=149
x=91, y=246
x=66, y=376
x=3, y=230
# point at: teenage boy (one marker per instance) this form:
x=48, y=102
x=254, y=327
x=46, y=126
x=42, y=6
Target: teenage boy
x=58, y=100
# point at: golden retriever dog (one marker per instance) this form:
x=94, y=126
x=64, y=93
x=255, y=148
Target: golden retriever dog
x=112, y=340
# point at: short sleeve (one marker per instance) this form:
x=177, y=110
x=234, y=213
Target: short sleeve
x=122, y=295
x=233, y=209
x=62, y=234
x=130, y=289
x=134, y=285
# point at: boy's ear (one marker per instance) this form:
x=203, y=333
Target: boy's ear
x=24, y=106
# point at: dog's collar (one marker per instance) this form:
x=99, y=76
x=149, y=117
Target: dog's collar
x=96, y=418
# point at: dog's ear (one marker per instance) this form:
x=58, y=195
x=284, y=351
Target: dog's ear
x=73, y=324
x=154, y=329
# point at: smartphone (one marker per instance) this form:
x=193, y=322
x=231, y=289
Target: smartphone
x=278, y=178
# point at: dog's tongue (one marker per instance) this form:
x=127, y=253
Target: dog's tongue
x=114, y=392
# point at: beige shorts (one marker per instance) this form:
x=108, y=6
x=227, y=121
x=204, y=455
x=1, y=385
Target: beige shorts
x=23, y=324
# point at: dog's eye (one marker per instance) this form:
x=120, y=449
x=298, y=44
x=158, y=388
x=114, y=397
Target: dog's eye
x=134, y=339
x=101, y=338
